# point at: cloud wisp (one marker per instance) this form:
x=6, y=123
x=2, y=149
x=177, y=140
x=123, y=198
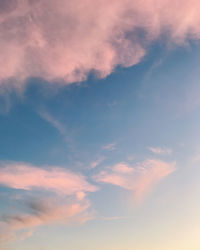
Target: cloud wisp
x=139, y=179
x=65, y=40
x=160, y=151
x=46, y=212
x=96, y=163
x=28, y=177
x=109, y=147
x=63, y=202
x=51, y=211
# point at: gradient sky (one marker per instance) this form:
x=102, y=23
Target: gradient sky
x=99, y=125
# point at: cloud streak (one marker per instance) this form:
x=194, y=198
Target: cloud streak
x=96, y=163
x=65, y=40
x=28, y=177
x=42, y=213
x=109, y=147
x=63, y=202
x=46, y=212
x=160, y=151
x=139, y=179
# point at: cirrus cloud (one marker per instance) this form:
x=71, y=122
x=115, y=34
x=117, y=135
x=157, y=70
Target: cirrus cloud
x=139, y=179
x=63, y=202
x=42, y=213
x=28, y=177
x=160, y=150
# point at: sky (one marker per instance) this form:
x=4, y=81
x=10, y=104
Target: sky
x=99, y=125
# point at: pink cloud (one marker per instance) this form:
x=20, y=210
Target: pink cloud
x=122, y=168
x=28, y=177
x=64, y=40
x=44, y=212
x=99, y=160
x=67, y=203
x=59, y=213
x=139, y=179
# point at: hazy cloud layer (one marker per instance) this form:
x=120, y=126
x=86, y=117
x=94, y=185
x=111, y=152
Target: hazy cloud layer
x=65, y=39
x=140, y=178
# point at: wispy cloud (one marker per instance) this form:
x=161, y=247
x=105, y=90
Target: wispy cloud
x=110, y=146
x=65, y=40
x=56, y=179
x=46, y=212
x=160, y=150
x=53, y=121
x=58, y=125
x=115, y=218
x=99, y=160
x=66, y=203
x=42, y=213
x=139, y=179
